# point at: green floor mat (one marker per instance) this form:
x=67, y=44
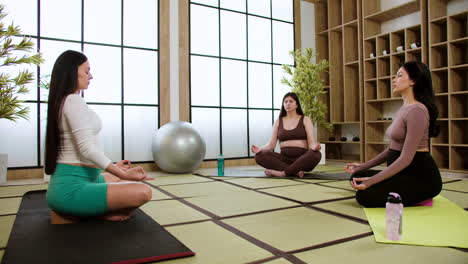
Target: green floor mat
x=296, y=228
x=443, y=224
x=461, y=186
x=6, y=223
x=234, y=203
x=309, y=192
x=9, y=205
x=171, y=212
x=11, y=191
x=215, y=244
x=366, y=251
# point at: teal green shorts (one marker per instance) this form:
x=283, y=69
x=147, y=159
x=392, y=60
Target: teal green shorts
x=79, y=191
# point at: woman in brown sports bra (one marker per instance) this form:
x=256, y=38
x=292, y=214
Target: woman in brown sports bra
x=299, y=150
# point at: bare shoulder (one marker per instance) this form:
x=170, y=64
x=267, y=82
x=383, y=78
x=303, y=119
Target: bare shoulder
x=307, y=120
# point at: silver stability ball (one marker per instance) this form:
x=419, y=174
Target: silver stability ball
x=178, y=148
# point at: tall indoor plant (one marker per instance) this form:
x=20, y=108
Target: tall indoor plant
x=306, y=82
x=15, y=50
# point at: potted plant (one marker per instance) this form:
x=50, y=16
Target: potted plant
x=305, y=80
x=15, y=50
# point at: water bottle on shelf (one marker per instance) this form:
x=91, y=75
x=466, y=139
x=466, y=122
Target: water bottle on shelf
x=220, y=165
x=393, y=216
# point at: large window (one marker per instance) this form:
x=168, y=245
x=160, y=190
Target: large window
x=120, y=39
x=236, y=52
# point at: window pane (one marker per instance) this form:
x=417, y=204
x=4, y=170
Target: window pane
x=111, y=132
x=140, y=83
x=61, y=19
x=43, y=126
x=50, y=50
x=234, y=83
x=279, y=89
x=19, y=139
x=204, y=37
x=204, y=89
x=234, y=133
x=206, y=122
x=260, y=85
x=14, y=70
x=233, y=5
x=259, y=7
x=140, y=125
x=283, y=42
x=259, y=39
x=260, y=127
x=141, y=23
x=283, y=10
x=233, y=35
x=106, y=70
x=206, y=2
x=24, y=15
x=100, y=29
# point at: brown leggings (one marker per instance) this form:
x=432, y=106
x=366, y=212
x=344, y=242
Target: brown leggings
x=291, y=160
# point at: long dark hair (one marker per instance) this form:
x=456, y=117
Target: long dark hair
x=296, y=98
x=64, y=81
x=419, y=73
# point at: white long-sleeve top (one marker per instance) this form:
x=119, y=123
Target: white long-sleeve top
x=79, y=132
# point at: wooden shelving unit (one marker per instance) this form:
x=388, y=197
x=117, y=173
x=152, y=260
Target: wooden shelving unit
x=448, y=61
x=359, y=93
x=383, y=54
x=338, y=40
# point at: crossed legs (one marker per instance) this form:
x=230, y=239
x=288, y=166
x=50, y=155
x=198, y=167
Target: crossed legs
x=295, y=164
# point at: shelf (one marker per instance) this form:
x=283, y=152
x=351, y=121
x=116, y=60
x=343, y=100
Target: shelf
x=458, y=53
x=438, y=31
x=439, y=145
x=440, y=82
x=440, y=154
x=458, y=160
x=395, y=12
x=459, y=105
x=441, y=102
x=438, y=58
x=384, y=100
x=443, y=137
x=458, y=25
x=458, y=132
x=334, y=13
x=350, y=11
x=340, y=142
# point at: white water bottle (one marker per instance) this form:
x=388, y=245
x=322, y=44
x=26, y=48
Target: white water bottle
x=393, y=216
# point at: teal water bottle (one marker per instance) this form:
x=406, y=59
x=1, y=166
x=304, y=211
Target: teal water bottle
x=220, y=165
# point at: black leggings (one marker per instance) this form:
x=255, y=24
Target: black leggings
x=418, y=182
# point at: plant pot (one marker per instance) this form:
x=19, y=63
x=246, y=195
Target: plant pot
x=322, y=151
x=3, y=168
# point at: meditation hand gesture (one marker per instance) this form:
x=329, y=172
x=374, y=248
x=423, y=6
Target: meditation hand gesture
x=315, y=147
x=137, y=174
x=255, y=149
x=352, y=167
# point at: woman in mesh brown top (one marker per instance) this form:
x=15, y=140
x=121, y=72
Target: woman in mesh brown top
x=411, y=170
x=299, y=151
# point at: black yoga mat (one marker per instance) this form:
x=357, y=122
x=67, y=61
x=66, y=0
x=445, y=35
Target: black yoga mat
x=137, y=240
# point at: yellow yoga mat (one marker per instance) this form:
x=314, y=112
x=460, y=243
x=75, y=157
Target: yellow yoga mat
x=444, y=224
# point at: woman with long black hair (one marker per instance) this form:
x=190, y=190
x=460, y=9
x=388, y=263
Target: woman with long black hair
x=74, y=156
x=411, y=171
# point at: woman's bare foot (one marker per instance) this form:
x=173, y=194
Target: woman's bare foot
x=275, y=173
x=116, y=216
x=300, y=174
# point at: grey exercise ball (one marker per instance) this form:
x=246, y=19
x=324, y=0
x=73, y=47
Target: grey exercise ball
x=178, y=148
